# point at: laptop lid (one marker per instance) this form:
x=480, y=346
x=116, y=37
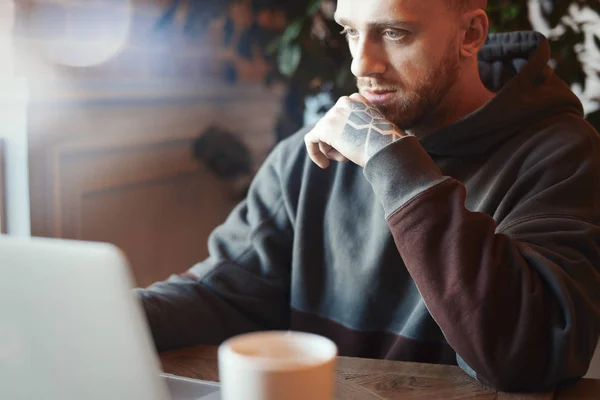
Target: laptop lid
x=70, y=326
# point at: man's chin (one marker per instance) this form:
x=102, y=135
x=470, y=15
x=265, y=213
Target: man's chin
x=403, y=119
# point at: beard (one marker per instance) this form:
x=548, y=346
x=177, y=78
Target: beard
x=417, y=104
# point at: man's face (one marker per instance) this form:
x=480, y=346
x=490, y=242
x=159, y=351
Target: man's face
x=405, y=55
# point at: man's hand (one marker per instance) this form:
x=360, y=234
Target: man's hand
x=352, y=130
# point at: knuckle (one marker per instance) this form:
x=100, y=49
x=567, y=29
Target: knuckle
x=344, y=101
x=338, y=111
x=308, y=142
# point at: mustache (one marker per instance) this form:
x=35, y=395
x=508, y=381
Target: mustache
x=369, y=83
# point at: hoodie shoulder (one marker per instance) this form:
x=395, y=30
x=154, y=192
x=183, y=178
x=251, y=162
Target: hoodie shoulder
x=564, y=154
x=569, y=130
x=515, y=67
x=289, y=152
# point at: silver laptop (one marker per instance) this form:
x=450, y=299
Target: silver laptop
x=71, y=328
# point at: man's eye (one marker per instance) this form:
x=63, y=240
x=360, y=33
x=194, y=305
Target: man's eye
x=349, y=32
x=394, y=34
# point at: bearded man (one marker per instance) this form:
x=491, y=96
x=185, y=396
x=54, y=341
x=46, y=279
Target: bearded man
x=446, y=213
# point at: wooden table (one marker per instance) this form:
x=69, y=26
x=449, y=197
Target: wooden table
x=362, y=379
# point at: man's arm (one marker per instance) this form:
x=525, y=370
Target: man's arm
x=242, y=286
x=519, y=303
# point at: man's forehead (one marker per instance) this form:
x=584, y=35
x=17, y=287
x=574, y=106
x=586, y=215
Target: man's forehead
x=358, y=11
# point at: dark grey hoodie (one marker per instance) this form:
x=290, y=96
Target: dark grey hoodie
x=478, y=244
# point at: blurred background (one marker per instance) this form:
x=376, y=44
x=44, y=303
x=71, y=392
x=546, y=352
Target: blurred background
x=142, y=122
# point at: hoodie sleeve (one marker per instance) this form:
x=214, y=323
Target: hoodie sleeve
x=520, y=303
x=243, y=285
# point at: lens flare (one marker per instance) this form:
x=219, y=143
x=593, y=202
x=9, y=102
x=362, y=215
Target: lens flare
x=84, y=34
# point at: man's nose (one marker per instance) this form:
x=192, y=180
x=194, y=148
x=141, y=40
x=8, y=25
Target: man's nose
x=368, y=59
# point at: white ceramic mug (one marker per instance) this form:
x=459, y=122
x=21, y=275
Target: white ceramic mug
x=277, y=365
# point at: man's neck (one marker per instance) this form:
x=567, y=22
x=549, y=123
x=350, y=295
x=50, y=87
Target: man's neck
x=462, y=100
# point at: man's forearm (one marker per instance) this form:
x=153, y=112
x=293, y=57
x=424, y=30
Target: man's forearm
x=182, y=313
x=502, y=305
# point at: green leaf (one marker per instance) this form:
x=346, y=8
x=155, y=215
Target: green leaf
x=510, y=13
x=288, y=59
x=273, y=45
x=313, y=7
x=515, y=10
x=292, y=31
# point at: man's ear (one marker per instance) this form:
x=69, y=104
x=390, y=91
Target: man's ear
x=476, y=26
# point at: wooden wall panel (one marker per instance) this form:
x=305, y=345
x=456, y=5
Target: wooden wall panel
x=118, y=167
x=151, y=199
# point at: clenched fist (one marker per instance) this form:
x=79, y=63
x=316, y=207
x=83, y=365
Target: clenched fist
x=352, y=130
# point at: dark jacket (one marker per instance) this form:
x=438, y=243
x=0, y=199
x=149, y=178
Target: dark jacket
x=478, y=244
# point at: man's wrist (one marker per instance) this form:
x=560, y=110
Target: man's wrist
x=400, y=171
x=378, y=142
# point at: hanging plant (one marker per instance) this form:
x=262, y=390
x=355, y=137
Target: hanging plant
x=301, y=43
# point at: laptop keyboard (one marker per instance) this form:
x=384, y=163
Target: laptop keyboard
x=191, y=389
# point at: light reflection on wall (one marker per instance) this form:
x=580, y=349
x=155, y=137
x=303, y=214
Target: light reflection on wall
x=82, y=34
x=75, y=42
x=7, y=17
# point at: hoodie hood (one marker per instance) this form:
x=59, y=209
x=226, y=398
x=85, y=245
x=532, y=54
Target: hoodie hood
x=515, y=66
